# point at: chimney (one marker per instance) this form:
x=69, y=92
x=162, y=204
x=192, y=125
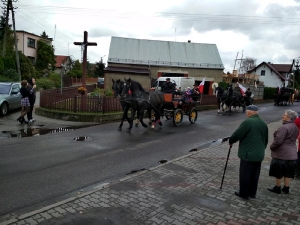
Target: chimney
x=189, y=41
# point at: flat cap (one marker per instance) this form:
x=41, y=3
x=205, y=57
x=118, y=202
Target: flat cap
x=168, y=79
x=252, y=108
x=195, y=84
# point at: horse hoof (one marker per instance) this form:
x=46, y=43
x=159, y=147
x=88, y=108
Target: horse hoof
x=152, y=127
x=144, y=125
x=136, y=125
x=128, y=130
x=120, y=129
x=160, y=123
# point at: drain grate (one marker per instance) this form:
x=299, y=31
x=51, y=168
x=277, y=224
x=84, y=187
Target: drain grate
x=83, y=138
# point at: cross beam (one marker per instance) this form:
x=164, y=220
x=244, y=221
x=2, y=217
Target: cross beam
x=85, y=43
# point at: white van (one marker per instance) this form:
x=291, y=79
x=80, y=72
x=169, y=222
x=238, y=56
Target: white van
x=182, y=82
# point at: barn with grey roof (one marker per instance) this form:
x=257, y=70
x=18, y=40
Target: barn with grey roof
x=146, y=60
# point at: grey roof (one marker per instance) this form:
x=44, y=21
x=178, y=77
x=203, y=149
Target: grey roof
x=166, y=53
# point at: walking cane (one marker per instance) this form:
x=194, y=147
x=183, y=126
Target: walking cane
x=225, y=166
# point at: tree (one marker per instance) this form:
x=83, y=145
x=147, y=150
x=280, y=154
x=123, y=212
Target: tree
x=26, y=67
x=99, y=69
x=76, y=70
x=44, y=35
x=9, y=45
x=45, y=61
x=247, y=64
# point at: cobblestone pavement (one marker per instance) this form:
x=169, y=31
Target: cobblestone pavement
x=182, y=191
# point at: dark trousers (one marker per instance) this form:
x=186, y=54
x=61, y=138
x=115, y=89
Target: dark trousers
x=249, y=175
x=29, y=114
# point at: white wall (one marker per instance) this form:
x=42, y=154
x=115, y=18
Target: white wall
x=270, y=79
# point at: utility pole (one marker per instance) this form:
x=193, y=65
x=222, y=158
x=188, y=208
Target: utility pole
x=5, y=28
x=10, y=7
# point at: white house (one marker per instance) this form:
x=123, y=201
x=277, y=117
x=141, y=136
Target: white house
x=27, y=43
x=273, y=75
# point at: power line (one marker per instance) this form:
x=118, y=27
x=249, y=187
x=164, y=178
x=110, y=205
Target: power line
x=172, y=16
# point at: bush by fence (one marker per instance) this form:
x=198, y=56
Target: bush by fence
x=269, y=92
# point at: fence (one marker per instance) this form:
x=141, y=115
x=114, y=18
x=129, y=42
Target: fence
x=71, y=101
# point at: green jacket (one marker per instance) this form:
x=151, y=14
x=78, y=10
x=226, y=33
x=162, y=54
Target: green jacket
x=253, y=137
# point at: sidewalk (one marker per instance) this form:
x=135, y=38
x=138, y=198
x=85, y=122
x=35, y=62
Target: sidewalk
x=182, y=191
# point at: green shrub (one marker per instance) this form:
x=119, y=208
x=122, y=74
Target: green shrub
x=56, y=79
x=45, y=83
x=223, y=85
x=108, y=93
x=11, y=74
x=269, y=92
x=5, y=79
x=97, y=92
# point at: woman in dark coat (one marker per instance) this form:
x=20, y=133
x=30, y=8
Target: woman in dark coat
x=284, y=152
x=24, y=101
x=31, y=87
x=297, y=122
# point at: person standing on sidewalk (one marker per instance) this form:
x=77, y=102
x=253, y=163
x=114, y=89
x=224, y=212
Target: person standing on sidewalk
x=252, y=135
x=24, y=101
x=31, y=87
x=297, y=122
x=284, y=152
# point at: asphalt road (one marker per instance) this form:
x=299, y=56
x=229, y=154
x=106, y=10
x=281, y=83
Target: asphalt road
x=41, y=169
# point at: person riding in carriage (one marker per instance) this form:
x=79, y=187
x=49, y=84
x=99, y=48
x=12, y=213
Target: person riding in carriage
x=168, y=87
x=247, y=97
x=195, y=92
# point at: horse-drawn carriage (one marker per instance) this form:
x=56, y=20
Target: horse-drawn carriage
x=177, y=107
x=283, y=96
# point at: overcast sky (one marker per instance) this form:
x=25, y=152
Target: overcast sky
x=267, y=30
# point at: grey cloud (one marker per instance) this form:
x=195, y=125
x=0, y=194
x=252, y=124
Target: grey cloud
x=235, y=15
x=101, y=32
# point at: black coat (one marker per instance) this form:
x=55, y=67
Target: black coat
x=168, y=87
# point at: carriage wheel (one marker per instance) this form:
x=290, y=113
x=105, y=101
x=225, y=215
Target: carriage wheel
x=177, y=117
x=193, y=115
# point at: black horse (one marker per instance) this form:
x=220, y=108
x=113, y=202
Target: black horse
x=233, y=99
x=143, y=100
x=219, y=93
x=283, y=96
x=125, y=103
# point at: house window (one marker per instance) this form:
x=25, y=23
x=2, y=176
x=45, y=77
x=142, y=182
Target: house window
x=31, y=43
x=32, y=59
x=263, y=73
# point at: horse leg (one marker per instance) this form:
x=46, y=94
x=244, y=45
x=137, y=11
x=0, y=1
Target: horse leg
x=141, y=116
x=129, y=120
x=150, y=116
x=137, y=121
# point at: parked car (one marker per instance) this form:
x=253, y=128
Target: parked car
x=10, y=96
x=100, y=83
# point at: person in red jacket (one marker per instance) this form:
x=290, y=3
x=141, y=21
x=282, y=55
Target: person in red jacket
x=297, y=122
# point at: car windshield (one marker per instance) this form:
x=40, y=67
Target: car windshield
x=4, y=88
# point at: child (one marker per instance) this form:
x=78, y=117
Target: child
x=187, y=96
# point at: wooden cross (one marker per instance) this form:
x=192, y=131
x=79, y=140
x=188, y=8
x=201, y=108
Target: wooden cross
x=85, y=43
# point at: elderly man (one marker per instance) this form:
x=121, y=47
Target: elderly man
x=252, y=135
